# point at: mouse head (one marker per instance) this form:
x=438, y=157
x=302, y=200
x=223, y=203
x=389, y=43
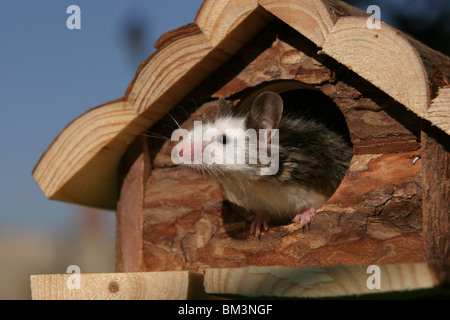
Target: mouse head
x=234, y=144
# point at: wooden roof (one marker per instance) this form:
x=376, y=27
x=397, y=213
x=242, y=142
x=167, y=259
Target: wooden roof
x=80, y=166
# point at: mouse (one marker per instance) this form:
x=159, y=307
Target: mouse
x=279, y=167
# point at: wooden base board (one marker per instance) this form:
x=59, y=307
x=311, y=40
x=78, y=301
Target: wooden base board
x=279, y=282
x=320, y=282
x=173, y=285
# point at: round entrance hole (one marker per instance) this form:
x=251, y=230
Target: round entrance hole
x=315, y=147
x=315, y=105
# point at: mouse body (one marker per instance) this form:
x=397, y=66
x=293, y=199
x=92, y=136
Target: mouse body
x=280, y=168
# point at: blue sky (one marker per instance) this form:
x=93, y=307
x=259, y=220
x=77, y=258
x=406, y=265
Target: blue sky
x=49, y=75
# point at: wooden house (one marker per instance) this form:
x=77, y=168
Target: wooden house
x=389, y=92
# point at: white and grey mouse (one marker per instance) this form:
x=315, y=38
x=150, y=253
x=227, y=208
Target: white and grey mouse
x=278, y=167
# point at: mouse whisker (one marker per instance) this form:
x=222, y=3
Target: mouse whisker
x=179, y=127
x=154, y=135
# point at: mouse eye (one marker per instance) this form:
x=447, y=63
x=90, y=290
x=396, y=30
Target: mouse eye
x=223, y=139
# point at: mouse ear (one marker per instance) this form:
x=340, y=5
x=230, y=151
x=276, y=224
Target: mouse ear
x=266, y=112
x=223, y=109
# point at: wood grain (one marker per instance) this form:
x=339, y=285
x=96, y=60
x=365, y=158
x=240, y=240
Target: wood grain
x=180, y=285
x=374, y=217
x=129, y=218
x=280, y=282
x=228, y=26
x=81, y=164
x=314, y=19
x=172, y=72
x=317, y=282
x=383, y=57
x=311, y=18
x=436, y=194
x=439, y=111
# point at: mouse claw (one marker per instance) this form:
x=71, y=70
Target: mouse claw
x=261, y=219
x=304, y=218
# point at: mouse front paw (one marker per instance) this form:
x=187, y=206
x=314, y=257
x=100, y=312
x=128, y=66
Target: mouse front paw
x=304, y=218
x=261, y=218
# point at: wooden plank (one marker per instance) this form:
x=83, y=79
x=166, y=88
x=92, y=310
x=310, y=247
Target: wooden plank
x=172, y=72
x=436, y=194
x=129, y=222
x=175, y=285
x=316, y=282
x=382, y=56
x=311, y=18
x=439, y=111
x=314, y=19
x=80, y=166
x=229, y=26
